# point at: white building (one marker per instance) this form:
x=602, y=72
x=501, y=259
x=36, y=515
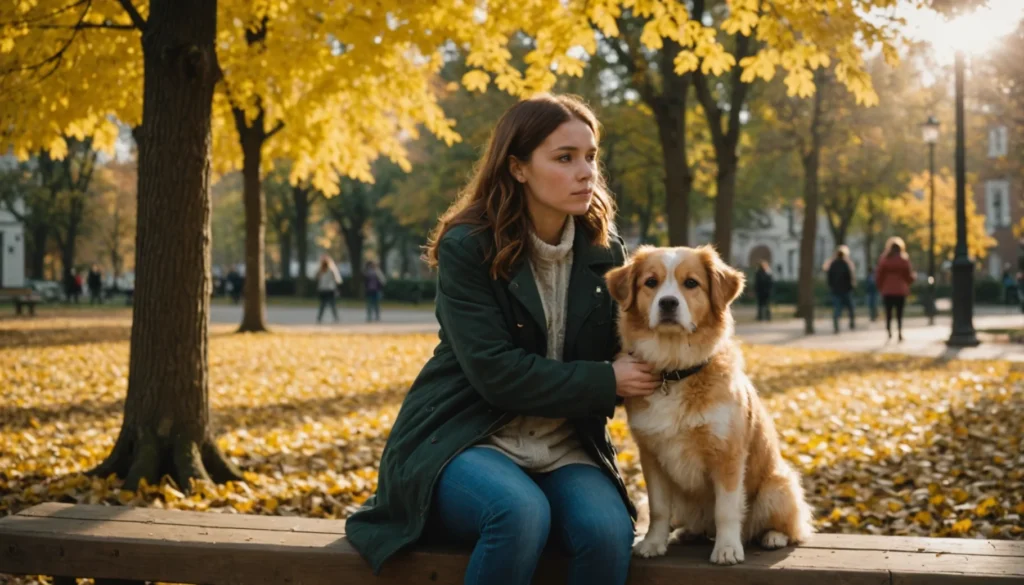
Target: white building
x=12, y=248
x=775, y=237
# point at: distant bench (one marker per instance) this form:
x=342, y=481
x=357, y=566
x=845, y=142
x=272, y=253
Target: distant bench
x=228, y=549
x=22, y=297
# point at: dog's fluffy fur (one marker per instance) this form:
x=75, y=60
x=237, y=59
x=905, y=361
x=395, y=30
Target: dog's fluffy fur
x=708, y=449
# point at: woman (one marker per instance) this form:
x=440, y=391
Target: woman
x=327, y=281
x=893, y=277
x=501, y=441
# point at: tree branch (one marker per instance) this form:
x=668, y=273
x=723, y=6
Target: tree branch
x=137, y=20
x=85, y=25
x=277, y=128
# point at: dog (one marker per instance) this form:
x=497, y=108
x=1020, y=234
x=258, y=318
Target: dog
x=708, y=448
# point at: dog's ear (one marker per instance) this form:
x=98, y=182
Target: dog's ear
x=726, y=282
x=621, y=284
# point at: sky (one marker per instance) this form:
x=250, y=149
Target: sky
x=976, y=33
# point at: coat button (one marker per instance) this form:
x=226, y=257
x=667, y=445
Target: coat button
x=597, y=292
x=514, y=286
x=433, y=440
x=519, y=325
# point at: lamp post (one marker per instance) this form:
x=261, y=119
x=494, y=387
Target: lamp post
x=963, y=334
x=930, y=133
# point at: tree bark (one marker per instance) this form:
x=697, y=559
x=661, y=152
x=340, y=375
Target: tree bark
x=254, y=317
x=285, y=245
x=354, y=241
x=810, y=158
x=37, y=251
x=725, y=201
x=301, y=198
x=670, y=114
x=166, y=427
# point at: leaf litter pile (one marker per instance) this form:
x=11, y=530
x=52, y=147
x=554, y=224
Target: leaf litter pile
x=887, y=444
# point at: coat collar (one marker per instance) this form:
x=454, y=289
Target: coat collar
x=586, y=286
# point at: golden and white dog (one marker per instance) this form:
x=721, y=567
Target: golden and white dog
x=708, y=449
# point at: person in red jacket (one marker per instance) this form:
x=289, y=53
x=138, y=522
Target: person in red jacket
x=893, y=277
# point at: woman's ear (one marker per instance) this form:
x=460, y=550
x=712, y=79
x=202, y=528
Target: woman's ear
x=621, y=285
x=515, y=168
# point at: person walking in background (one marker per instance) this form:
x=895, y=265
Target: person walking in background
x=1010, y=290
x=95, y=282
x=894, y=275
x=373, y=281
x=763, y=283
x=840, y=271
x=871, y=292
x=327, y=281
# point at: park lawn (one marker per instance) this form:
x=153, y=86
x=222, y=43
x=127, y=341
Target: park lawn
x=888, y=444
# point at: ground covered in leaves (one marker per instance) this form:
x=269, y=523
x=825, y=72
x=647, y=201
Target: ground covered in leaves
x=888, y=444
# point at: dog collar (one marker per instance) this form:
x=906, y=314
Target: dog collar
x=679, y=375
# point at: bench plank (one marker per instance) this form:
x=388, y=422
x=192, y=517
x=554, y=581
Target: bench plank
x=196, y=547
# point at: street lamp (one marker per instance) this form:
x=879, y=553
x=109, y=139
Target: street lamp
x=930, y=133
x=963, y=334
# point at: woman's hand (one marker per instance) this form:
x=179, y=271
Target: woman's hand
x=634, y=378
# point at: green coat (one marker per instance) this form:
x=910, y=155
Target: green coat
x=490, y=366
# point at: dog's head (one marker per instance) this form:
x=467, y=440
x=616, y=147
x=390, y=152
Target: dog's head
x=674, y=290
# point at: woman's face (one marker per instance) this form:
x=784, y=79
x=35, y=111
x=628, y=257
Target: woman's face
x=560, y=176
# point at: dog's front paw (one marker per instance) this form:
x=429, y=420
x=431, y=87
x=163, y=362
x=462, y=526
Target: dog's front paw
x=727, y=553
x=773, y=540
x=651, y=547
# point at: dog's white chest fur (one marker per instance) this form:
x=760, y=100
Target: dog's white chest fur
x=668, y=414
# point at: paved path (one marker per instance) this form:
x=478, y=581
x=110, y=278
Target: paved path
x=919, y=338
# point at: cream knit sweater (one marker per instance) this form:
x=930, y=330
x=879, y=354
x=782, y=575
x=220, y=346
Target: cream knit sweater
x=535, y=443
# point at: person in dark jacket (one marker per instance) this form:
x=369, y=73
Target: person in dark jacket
x=763, y=283
x=95, y=283
x=501, y=442
x=841, y=271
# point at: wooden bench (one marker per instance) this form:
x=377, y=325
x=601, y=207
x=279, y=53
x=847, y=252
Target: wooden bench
x=209, y=548
x=22, y=297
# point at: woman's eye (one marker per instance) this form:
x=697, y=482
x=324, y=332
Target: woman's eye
x=591, y=157
x=690, y=283
x=565, y=158
x=651, y=282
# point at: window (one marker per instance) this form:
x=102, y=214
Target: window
x=997, y=204
x=995, y=265
x=997, y=142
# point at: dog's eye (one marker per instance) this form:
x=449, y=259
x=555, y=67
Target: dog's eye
x=651, y=282
x=690, y=283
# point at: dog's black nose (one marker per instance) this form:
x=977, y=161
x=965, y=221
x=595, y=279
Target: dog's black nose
x=669, y=304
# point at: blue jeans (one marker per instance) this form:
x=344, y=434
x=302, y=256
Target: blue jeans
x=508, y=515
x=839, y=302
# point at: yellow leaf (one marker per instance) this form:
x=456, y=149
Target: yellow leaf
x=961, y=527
x=923, y=518
x=476, y=80
x=984, y=508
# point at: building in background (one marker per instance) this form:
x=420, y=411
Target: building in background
x=12, y=248
x=999, y=195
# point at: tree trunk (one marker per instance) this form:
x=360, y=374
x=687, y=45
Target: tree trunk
x=285, y=245
x=808, y=238
x=671, y=119
x=37, y=255
x=670, y=114
x=68, y=243
x=724, y=204
x=254, y=315
x=166, y=413
x=300, y=196
x=354, y=242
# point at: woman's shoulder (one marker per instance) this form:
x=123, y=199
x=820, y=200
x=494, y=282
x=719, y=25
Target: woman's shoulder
x=464, y=242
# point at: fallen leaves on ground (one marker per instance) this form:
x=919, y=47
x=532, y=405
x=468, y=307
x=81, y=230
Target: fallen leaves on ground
x=888, y=444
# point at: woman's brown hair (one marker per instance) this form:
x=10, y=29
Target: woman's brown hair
x=494, y=199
